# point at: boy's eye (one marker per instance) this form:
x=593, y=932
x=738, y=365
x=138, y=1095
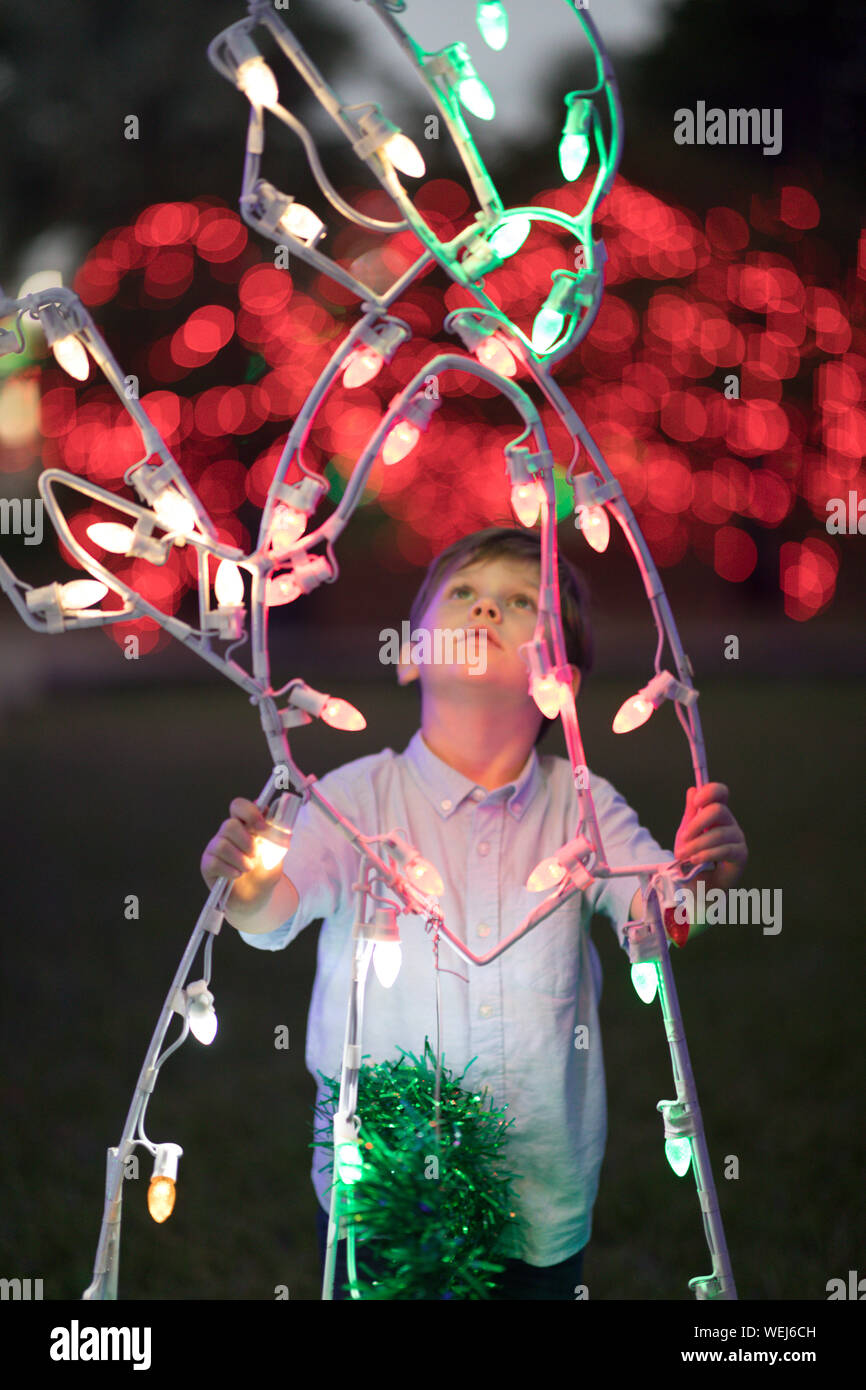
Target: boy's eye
x=524, y=599
x=460, y=591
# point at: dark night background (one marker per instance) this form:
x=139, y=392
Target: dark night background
x=115, y=774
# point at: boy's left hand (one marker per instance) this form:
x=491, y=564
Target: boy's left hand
x=709, y=833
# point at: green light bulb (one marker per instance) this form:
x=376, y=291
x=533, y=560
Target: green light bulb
x=492, y=20
x=573, y=154
x=476, y=98
x=546, y=329
x=349, y=1163
x=509, y=236
x=645, y=979
x=678, y=1153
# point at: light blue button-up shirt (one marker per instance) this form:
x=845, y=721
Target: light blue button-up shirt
x=530, y=1017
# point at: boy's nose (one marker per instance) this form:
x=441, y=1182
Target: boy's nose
x=485, y=608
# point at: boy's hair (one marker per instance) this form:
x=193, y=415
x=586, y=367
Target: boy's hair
x=519, y=544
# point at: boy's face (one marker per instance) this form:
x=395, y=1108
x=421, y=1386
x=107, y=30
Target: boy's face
x=497, y=601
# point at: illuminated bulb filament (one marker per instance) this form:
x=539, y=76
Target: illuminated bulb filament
x=401, y=441
x=595, y=525
x=362, y=367
x=632, y=714
x=258, y=83
x=268, y=853
x=496, y=356
x=71, y=355
x=341, y=715
x=160, y=1198
x=387, y=959
x=110, y=535
x=405, y=155
x=229, y=585
x=526, y=500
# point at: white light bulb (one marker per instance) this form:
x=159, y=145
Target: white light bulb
x=269, y=853
x=545, y=875
x=509, y=236
x=301, y=222
x=401, y=440
x=632, y=714
x=595, y=525
x=492, y=20
x=175, y=512
x=287, y=526
x=496, y=356
x=526, y=499
x=387, y=959
x=546, y=329
x=644, y=977
x=258, y=83
x=425, y=876
x=284, y=589
x=110, y=535
x=229, y=585
x=573, y=154
x=201, y=1015
x=71, y=355
x=476, y=98
x=362, y=366
x=404, y=155
x=82, y=593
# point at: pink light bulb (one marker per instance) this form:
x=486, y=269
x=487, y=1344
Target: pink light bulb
x=425, y=876
x=288, y=525
x=362, y=366
x=632, y=714
x=494, y=354
x=400, y=441
x=595, y=525
x=341, y=715
x=545, y=875
x=284, y=589
x=526, y=502
x=549, y=694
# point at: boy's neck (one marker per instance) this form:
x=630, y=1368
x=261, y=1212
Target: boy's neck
x=490, y=751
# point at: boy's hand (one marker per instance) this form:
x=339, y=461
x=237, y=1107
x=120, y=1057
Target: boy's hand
x=709, y=833
x=232, y=854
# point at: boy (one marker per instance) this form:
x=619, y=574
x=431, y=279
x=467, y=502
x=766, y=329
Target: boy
x=472, y=795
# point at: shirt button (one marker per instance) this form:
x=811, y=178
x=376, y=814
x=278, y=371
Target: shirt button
x=478, y=794
x=483, y=929
x=446, y=804
x=486, y=1010
x=483, y=848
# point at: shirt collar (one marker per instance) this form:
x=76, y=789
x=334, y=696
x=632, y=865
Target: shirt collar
x=446, y=788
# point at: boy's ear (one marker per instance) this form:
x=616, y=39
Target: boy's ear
x=407, y=671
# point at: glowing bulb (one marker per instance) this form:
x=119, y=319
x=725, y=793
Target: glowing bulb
x=496, y=356
x=200, y=1013
x=268, y=853
x=287, y=526
x=549, y=694
x=509, y=236
x=644, y=977
x=387, y=959
x=350, y=1167
x=110, y=535
x=341, y=715
x=174, y=511
x=71, y=355
x=476, y=98
x=362, y=367
x=405, y=155
x=162, y=1190
x=82, y=593
x=425, y=876
x=401, y=441
x=301, y=222
x=160, y=1198
x=678, y=1153
x=573, y=154
x=492, y=20
x=284, y=589
x=545, y=875
x=258, y=83
x=595, y=525
x=526, y=499
x=632, y=714
x=546, y=329
x=229, y=585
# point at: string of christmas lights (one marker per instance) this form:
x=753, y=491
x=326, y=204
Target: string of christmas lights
x=236, y=590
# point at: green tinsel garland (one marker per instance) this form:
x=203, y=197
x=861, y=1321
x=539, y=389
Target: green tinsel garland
x=428, y=1208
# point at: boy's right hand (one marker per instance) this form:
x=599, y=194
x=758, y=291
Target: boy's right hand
x=232, y=854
